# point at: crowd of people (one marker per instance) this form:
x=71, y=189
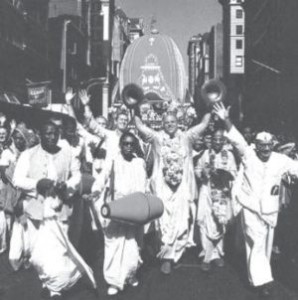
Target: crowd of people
x=206, y=175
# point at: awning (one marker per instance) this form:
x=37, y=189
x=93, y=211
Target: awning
x=32, y=116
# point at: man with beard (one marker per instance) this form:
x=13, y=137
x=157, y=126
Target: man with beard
x=263, y=170
x=174, y=182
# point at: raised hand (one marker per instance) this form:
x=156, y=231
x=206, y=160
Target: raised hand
x=69, y=95
x=13, y=125
x=220, y=111
x=2, y=119
x=85, y=98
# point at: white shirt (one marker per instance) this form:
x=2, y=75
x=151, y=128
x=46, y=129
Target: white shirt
x=71, y=173
x=260, y=179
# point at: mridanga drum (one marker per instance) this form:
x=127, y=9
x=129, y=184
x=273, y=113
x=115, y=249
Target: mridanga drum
x=137, y=208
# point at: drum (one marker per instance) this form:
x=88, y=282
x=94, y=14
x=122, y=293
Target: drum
x=137, y=208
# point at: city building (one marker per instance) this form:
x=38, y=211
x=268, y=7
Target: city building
x=68, y=45
x=205, y=61
x=67, y=7
x=271, y=69
x=24, y=45
x=234, y=36
x=193, y=52
x=216, y=63
x=101, y=29
x=120, y=40
x=234, y=54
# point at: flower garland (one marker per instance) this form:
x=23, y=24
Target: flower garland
x=220, y=198
x=172, y=157
x=220, y=206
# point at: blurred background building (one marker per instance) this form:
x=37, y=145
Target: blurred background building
x=23, y=45
x=66, y=43
x=234, y=55
x=272, y=71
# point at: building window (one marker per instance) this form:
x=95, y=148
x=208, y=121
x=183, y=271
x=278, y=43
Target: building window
x=239, y=61
x=239, y=29
x=239, y=13
x=73, y=49
x=239, y=44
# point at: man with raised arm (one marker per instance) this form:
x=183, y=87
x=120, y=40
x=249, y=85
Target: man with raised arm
x=111, y=137
x=258, y=195
x=174, y=182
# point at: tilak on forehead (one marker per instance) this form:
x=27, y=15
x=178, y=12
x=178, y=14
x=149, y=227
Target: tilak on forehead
x=264, y=137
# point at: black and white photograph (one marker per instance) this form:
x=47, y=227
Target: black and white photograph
x=148, y=149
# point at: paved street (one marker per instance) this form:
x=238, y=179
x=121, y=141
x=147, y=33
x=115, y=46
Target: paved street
x=186, y=282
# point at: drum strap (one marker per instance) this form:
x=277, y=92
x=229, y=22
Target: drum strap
x=111, y=187
x=112, y=182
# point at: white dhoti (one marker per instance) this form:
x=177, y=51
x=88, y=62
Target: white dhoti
x=258, y=241
x=211, y=232
x=122, y=258
x=174, y=224
x=3, y=231
x=212, y=248
x=21, y=243
x=57, y=263
x=122, y=241
x=192, y=223
x=258, y=194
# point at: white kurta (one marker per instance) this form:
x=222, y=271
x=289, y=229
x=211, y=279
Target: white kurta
x=175, y=222
x=122, y=257
x=259, y=197
x=211, y=231
x=57, y=263
x=33, y=165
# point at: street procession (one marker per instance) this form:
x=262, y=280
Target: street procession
x=148, y=149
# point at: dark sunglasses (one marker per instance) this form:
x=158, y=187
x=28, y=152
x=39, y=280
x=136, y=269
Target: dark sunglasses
x=128, y=143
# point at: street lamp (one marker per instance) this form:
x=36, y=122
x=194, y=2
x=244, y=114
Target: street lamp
x=64, y=55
